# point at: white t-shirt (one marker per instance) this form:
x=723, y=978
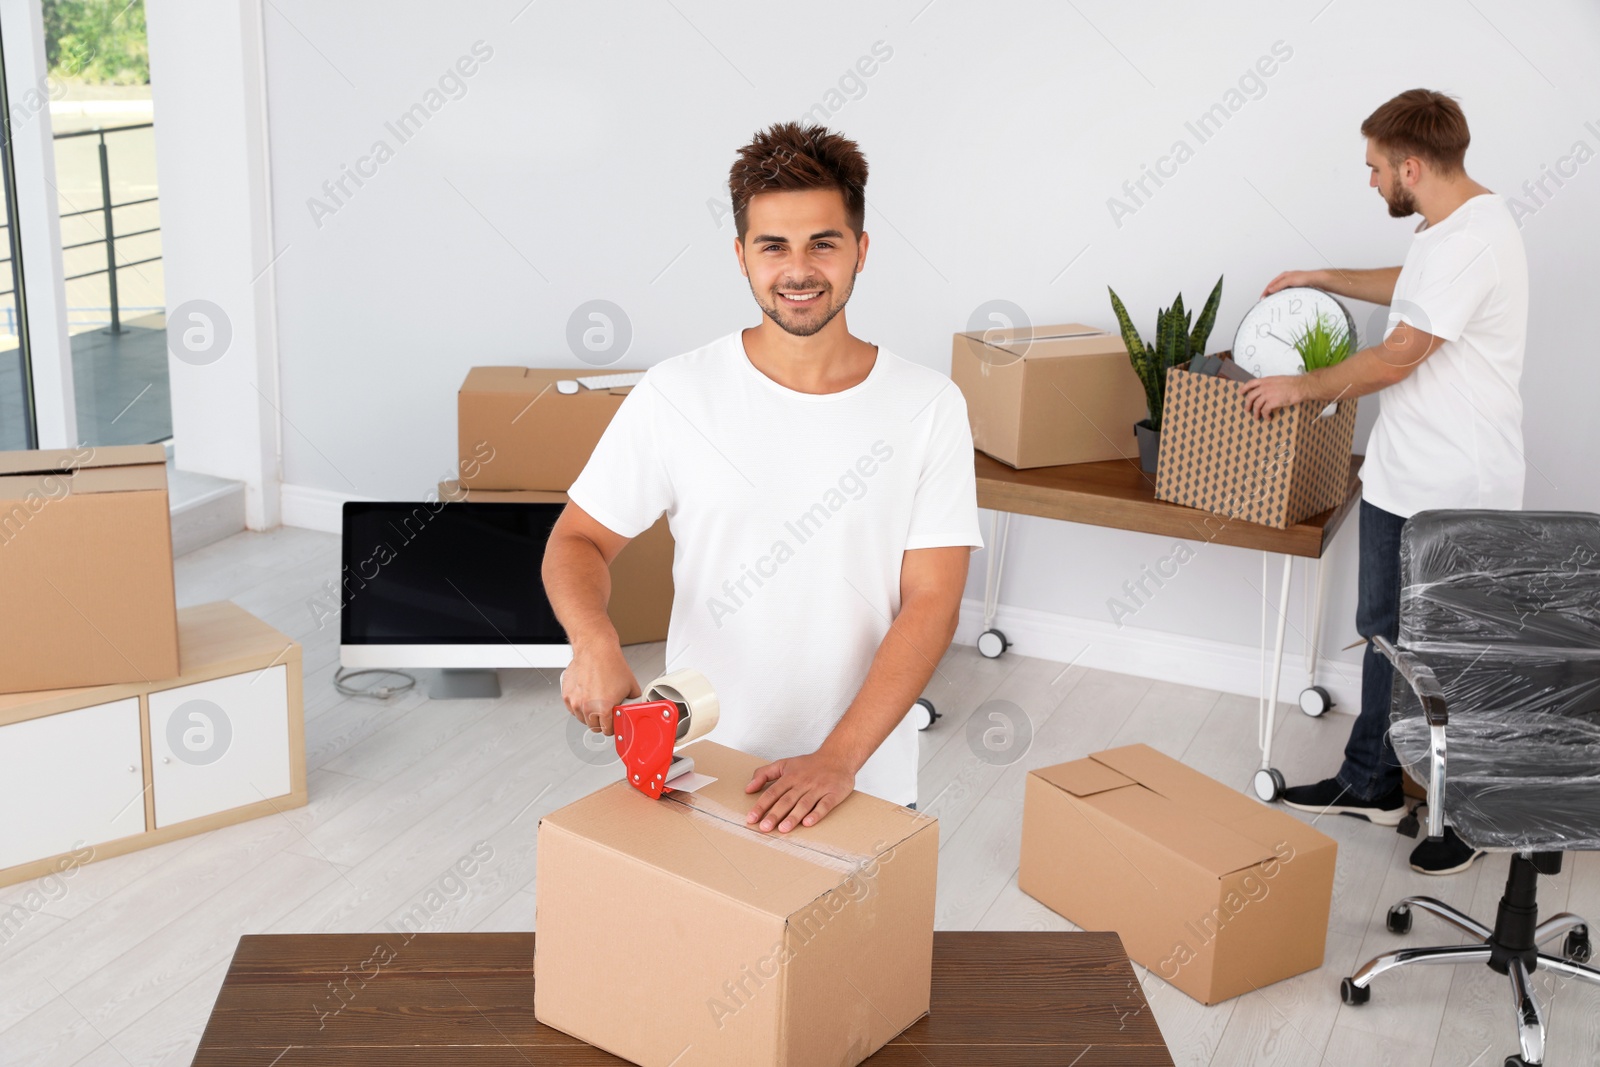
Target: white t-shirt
x=791, y=512
x=1449, y=435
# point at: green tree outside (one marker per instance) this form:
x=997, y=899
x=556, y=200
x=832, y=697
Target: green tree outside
x=96, y=42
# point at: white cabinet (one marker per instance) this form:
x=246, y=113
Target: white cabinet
x=70, y=780
x=220, y=744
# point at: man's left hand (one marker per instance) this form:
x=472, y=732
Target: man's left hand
x=1263, y=396
x=803, y=790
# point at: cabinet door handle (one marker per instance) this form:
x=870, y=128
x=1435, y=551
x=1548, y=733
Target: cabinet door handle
x=132, y=769
x=166, y=759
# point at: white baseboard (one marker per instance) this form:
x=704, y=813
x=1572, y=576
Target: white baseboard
x=1196, y=661
x=314, y=509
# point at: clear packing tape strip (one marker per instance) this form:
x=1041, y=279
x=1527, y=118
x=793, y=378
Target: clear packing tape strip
x=1504, y=608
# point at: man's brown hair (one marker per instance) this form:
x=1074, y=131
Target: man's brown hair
x=788, y=156
x=1421, y=123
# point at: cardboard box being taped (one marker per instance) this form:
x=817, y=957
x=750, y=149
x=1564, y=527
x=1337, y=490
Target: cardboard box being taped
x=1217, y=456
x=538, y=438
x=1214, y=892
x=672, y=934
x=86, y=568
x=1046, y=395
x=641, y=575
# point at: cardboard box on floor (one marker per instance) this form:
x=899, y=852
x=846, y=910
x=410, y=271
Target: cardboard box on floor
x=641, y=575
x=1214, y=892
x=1047, y=395
x=670, y=933
x=523, y=433
x=1217, y=456
x=86, y=568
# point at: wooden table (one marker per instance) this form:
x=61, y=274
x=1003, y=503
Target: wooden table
x=999, y=1000
x=1117, y=494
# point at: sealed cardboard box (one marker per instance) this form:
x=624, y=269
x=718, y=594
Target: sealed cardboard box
x=86, y=568
x=641, y=575
x=1046, y=395
x=1212, y=891
x=534, y=436
x=1217, y=456
x=669, y=933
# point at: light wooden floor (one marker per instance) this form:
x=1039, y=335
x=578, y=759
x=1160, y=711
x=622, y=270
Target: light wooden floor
x=124, y=962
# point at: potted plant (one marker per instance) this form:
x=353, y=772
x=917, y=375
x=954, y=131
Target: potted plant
x=1323, y=342
x=1176, y=343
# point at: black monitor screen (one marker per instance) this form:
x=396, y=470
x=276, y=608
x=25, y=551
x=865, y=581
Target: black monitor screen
x=446, y=573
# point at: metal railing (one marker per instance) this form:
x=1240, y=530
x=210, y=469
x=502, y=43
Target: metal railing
x=109, y=236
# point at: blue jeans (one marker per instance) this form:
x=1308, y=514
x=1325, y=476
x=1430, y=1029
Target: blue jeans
x=1371, y=770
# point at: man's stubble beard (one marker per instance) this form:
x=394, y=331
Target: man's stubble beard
x=774, y=313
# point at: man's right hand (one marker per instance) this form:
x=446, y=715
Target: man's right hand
x=598, y=679
x=1292, y=279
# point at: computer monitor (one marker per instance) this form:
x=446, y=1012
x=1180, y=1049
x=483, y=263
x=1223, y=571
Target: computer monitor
x=449, y=585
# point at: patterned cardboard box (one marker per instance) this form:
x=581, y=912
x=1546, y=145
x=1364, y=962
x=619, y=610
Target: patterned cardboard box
x=1277, y=471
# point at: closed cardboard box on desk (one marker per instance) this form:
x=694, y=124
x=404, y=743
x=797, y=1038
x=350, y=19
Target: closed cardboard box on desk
x=1046, y=395
x=641, y=575
x=672, y=934
x=540, y=438
x=1214, y=892
x=86, y=568
x=1217, y=456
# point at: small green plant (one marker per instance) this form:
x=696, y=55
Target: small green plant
x=1323, y=342
x=1175, y=344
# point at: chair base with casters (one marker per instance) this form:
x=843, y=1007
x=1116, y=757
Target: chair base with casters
x=1510, y=948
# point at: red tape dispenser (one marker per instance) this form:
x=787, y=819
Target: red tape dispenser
x=677, y=708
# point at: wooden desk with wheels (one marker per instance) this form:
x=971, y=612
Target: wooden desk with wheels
x=1014, y=998
x=1117, y=494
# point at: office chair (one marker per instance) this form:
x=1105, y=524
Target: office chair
x=1497, y=706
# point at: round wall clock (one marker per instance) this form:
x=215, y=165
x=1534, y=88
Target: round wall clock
x=1264, y=342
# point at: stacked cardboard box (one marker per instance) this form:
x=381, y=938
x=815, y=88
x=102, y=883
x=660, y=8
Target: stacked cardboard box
x=1046, y=395
x=523, y=440
x=86, y=568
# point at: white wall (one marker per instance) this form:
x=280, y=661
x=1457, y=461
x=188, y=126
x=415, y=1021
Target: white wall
x=588, y=155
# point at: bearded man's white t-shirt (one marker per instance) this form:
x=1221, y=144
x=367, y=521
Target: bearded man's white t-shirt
x=791, y=513
x=1449, y=435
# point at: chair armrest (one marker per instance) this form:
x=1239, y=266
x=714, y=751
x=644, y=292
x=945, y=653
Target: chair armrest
x=1423, y=682
x=1420, y=677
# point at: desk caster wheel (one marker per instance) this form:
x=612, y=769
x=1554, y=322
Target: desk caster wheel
x=1268, y=784
x=991, y=643
x=1577, y=948
x=1399, y=921
x=1517, y=1061
x=923, y=714
x=1353, y=994
x=1315, y=701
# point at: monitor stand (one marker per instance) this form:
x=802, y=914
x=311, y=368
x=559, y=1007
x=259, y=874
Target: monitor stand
x=452, y=683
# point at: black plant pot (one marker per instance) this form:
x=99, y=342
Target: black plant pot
x=1149, y=445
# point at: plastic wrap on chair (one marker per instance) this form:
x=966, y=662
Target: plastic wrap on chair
x=1504, y=606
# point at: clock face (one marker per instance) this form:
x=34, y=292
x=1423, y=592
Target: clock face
x=1264, y=343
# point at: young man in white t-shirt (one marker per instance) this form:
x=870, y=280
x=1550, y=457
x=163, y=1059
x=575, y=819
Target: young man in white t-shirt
x=1449, y=429
x=822, y=495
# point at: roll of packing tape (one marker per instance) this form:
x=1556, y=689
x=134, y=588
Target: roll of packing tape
x=689, y=688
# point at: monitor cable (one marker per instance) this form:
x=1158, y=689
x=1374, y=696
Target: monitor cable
x=343, y=675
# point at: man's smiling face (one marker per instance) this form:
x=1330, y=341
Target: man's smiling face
x=801, y=257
